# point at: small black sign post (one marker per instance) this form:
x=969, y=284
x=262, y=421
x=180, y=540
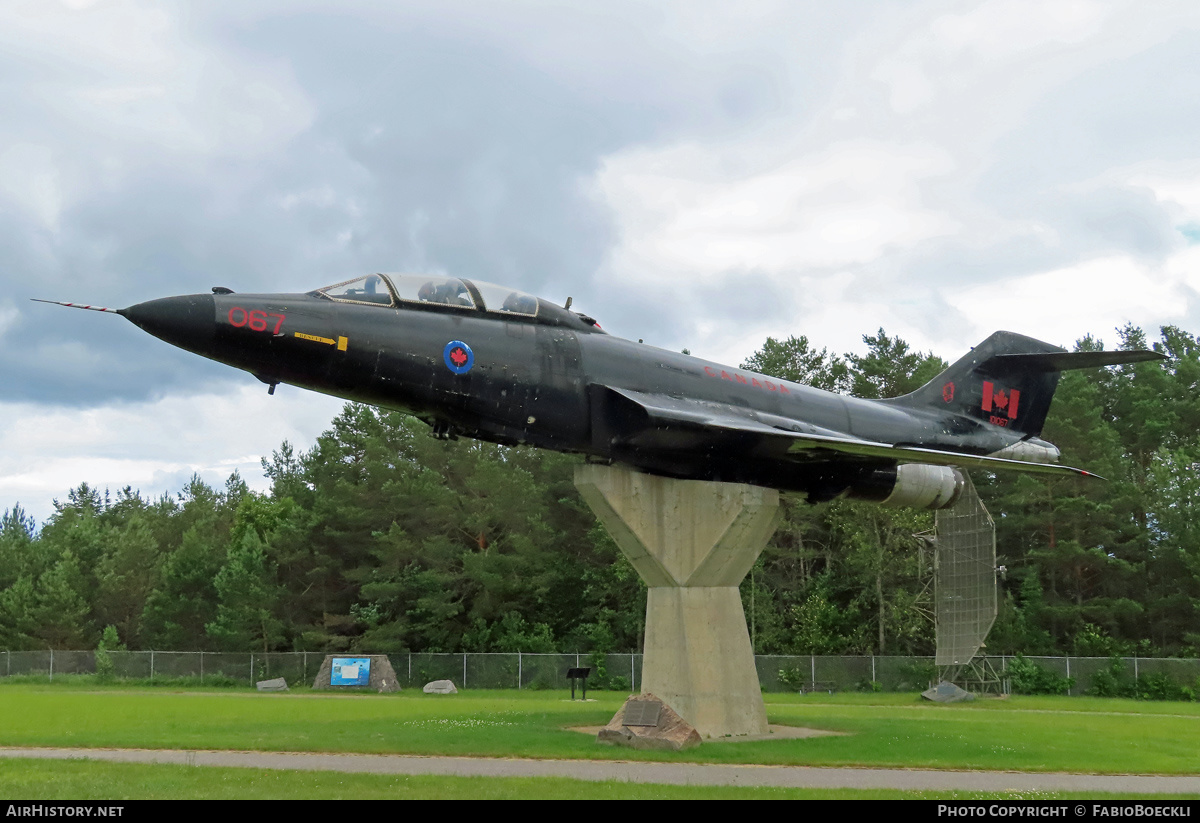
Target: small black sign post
x=579, y=674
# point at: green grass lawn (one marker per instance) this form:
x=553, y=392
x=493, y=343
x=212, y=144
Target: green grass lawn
x=1020, y=733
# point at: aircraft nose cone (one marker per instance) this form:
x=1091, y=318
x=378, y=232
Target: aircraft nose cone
x=187, y=322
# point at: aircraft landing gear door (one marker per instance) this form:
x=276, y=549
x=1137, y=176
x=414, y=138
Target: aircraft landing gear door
x=559, y=404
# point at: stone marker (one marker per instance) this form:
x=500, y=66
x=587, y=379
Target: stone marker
x=440, y=687
x=276, y=685
x=383, y=676
x=645, y=722
x=947, y=693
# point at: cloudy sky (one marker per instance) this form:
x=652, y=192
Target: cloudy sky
x=698, y=174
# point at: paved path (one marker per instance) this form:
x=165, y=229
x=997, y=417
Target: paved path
x=643, y=772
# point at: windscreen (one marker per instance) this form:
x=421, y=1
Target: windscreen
x=370, y=289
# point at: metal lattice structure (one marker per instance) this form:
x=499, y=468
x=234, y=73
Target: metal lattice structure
x=965, y=579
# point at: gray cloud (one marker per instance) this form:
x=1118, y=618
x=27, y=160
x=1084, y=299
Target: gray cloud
x=361, y=140
x=281, y=146
x=441, y=156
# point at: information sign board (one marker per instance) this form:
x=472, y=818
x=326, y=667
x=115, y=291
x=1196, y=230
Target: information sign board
x=350, y=671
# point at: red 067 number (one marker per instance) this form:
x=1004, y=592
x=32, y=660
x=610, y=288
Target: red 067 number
x=255, y=319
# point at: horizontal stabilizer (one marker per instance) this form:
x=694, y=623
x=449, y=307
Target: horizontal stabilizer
x=1064, y=361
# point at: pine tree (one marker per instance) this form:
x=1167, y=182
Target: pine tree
x=247, y=595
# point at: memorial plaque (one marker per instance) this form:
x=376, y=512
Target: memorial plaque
x=351, y=671
x=367, y=672
x=642, y=713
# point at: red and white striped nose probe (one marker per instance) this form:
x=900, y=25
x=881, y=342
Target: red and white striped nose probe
x=76, y=305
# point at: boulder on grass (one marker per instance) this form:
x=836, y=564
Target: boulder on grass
x=945, y=692
x=645, y=722
x=440, y=687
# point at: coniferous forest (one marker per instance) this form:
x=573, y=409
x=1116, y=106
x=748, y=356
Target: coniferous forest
x=381, y=538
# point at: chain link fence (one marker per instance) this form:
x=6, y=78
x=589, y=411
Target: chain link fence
x=618, y=672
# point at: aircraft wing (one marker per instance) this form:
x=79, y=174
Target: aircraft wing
x=938, y=457
x=803, y=441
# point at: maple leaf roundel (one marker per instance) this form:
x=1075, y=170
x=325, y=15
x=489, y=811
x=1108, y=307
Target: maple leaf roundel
x=458, y=357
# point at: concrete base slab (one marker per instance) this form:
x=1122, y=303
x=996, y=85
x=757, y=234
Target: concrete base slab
x=773, y=733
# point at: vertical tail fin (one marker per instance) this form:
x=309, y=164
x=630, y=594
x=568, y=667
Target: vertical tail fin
x=1009, y=380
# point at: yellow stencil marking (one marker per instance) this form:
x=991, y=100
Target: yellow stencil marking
x=342, y=343
x=316, y=339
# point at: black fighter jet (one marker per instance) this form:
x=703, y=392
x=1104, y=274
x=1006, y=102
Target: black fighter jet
x=483, y=361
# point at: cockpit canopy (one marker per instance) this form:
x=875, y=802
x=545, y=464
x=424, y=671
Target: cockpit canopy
x=397, y=289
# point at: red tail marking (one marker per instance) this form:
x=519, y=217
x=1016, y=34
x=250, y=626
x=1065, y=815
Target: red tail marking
x=1004, y=401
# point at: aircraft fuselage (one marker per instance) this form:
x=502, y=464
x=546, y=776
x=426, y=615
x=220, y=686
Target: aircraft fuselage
x=483, y=361
x=534, y=381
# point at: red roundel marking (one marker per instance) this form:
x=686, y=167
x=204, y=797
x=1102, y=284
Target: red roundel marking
x=458, y=356
x=948, y=392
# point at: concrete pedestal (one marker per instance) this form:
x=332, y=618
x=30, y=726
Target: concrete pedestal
x=692, y=542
